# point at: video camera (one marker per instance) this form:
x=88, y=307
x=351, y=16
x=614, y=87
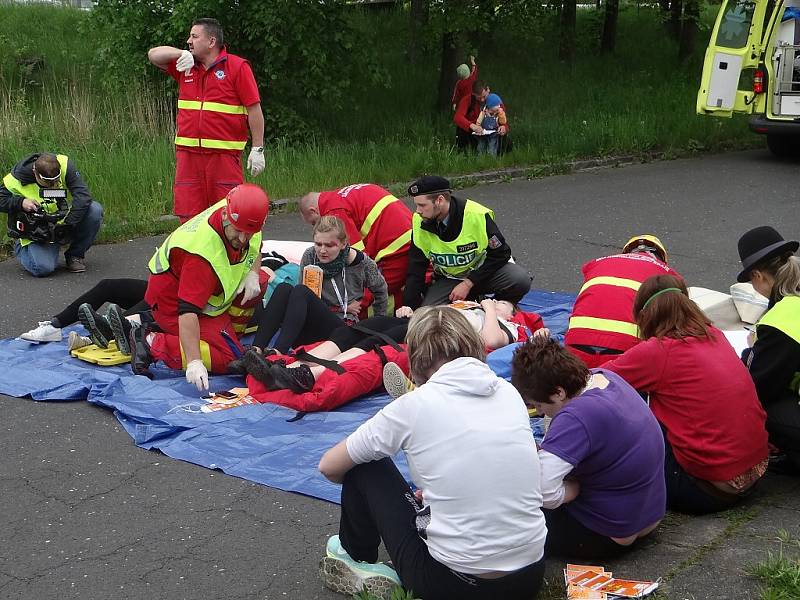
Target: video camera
x=41, y=225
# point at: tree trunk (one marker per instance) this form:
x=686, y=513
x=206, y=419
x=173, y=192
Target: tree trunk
x=675, y=12
x=664, y=6
x=566, y=46
x=691, y=16
x=452, y=53
x=419, y=18
x=608, y=39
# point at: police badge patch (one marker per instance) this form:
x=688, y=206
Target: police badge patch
x=494, y=242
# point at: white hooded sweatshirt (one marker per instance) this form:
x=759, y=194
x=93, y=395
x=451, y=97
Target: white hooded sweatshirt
x=467, y=438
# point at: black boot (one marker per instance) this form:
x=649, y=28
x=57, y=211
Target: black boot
x=141, y=359
x=121, y=328
x=258, y=367
x=98, y=327
x=297, y=379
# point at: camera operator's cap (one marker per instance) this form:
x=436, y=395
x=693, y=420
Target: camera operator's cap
x=428, y=185
x=758, y=245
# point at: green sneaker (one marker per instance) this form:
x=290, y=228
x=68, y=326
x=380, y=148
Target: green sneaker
x=344, y=575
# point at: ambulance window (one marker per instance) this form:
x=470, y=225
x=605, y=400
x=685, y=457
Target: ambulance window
x=735, y=25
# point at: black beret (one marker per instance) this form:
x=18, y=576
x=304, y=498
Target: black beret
x=428, y=185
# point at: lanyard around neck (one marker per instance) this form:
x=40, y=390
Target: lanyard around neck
x=342, y=302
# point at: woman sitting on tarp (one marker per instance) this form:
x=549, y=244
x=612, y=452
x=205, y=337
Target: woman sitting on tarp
x=701, y=394
x=498, y=323
x=602, y=458
x=301, y=316
x=768, y=262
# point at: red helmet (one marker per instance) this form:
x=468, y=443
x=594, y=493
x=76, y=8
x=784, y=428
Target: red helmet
x=248, y=206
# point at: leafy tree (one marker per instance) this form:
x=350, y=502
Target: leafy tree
x=301, y=52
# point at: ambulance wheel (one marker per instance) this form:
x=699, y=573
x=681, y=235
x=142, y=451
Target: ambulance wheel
x=783, y=145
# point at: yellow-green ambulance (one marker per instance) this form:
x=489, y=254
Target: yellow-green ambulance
x=752, y=66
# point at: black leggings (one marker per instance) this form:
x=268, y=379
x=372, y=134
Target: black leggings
x=566, y=536
x=377, y=505
x=127, y=293
x=299, y=314
x=351, y=337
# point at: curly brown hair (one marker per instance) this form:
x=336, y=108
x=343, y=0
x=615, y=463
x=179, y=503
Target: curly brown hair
x=662, y=308
x=542, y=365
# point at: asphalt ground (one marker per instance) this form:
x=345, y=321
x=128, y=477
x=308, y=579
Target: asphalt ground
x=87, y=514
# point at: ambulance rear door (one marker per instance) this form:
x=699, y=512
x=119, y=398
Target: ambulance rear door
x=735, y=45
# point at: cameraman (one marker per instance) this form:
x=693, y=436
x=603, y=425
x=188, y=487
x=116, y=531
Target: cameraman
x=41, y=222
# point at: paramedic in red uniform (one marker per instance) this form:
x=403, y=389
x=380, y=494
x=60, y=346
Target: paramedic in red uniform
x=198, y=276
x=602, y=324
x=377, y=223
x=217, y=101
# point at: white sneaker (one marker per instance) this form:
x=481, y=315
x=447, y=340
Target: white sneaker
x=45, y=332
x=76, y=340
x=344, y=575
x=395, y=381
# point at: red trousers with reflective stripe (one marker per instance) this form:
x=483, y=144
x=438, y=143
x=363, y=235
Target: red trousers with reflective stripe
x=167, y=346
x=203, y=179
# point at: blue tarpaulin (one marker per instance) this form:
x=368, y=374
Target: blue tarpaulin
x=255, y=442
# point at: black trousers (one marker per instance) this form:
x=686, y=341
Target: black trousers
x=127, y=293
x=377, y=504
x=350, y=337
x=566, y=536
x=510, y=282
x=783, y=425
x=299, y=314
x=688, y=494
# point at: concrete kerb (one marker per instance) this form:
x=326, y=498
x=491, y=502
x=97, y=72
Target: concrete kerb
x=289, y=205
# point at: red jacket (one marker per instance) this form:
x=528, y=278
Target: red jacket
x=376, y=221
x=463, y=87
x=603, y=311
x=212, y=105
x=467, y=112
x=703, y=395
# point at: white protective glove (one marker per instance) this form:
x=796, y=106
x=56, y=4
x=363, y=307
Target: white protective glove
x=251, y=286
x=185, y=62
x=256, y=161
x=197, y=374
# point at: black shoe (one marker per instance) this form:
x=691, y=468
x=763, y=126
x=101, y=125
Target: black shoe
x=98, y=327
x=782, y=464
x=121, y=328
x=255, y=364
x=141, y=358
x=297, y=379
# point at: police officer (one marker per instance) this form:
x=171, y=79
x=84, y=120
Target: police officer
x=73, y=219
x=460, y=239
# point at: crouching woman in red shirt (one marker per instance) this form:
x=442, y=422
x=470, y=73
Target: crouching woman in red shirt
x=701, y=394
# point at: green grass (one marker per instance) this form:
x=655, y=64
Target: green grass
x=780, y=574
x=639, y=100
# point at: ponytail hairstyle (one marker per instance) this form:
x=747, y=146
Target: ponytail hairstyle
x=662, y=308
x=785, y=271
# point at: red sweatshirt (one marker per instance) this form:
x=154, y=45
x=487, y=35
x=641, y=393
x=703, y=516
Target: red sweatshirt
x=703, y=395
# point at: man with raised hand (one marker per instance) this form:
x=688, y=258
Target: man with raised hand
x=218, y=101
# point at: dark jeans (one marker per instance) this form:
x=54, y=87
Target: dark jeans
x=688, y=494
x=566, y=536
x=299, y=314
x=127, y=293
x=510, y=282
x=350, y=337
x=377, y=504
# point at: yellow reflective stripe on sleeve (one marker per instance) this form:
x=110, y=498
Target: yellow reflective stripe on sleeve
x=394, y=246
x=205, y=355
x=238, y=311
x=223, y=144
x=185, y=141
x=231, y=109
x=359, y=245
x=375, y=212
x=617, y=281
x=604, y=325
x=190, y=104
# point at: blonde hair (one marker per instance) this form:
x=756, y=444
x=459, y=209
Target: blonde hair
x=437, y=335
x=785, y=270
x=334, y=224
